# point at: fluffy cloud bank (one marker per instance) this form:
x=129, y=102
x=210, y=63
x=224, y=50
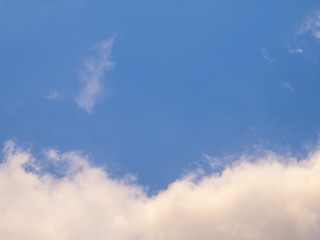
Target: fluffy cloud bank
x=92, y=76
x=271, y=198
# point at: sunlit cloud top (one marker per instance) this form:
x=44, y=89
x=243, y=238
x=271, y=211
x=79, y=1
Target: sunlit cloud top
x=266, y=197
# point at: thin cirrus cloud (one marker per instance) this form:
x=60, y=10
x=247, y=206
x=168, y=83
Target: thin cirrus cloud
x=289, y=87
x=266, y=56
x=273, y=197
x=311, y=24
x=54, y=95
x=92, y=76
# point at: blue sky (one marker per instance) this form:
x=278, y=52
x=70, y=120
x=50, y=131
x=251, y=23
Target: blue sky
x=185, y=78
x=152, y=120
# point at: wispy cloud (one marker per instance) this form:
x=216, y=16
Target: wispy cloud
x=53, y=95
x=92, y=76
x=312, y=24
x=288, y=86
x=266, y=56
x=296, y=50
x=270, y=197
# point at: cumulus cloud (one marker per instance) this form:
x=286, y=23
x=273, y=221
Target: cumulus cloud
x=312, y=24
x=272, y=197
x=92, y=76
x=266, y=56
x=53, y=95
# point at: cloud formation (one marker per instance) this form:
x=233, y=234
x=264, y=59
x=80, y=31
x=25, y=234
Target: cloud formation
x=92, y=76
x=312, y=24
x=266, y=56
x=53, y=95
x=296, y=50
x=288, y=86
x=273, y=197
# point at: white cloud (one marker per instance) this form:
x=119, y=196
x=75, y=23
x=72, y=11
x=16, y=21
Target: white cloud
x=296, y=50
x=92, y=76
x=289, y=87
x=53, y=95
x=266, y=56
x=274, y=197
x=312, y=24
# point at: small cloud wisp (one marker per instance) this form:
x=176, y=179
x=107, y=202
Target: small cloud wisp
x=266, y=56
x=296, y=50
x=53, y=95
x=289, y=87
x=92, y=76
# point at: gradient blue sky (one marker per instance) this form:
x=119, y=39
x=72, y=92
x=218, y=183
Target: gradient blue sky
x=189, y=78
